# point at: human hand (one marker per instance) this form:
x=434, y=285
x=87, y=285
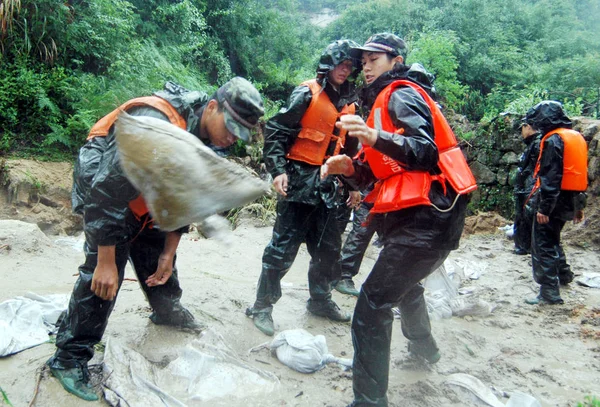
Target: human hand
x=105, y=281
x=356, y=127
x=579, y=217
x=354, y=199
x=164, y=271
x=542, y=219
x=281, y=184
x=338, y=164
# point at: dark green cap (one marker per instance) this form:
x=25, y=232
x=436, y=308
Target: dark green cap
x=382, y=42
x=242, y=106
x=336, y=53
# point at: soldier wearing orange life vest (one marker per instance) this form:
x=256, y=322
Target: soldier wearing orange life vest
x=118, y=227
x=419, y=205
x=298, y=139
x=557, y=197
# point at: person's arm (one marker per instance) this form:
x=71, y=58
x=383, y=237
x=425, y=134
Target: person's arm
x=550, y=176
x=165, y=260
x=281, y=132
x=105, y=280
x=414, y=148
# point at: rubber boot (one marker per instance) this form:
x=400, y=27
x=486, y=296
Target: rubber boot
x=76, y=382
x=263, y=320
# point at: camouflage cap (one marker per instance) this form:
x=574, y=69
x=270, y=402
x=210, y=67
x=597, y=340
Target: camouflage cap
x=382, y=42
x=242, y=106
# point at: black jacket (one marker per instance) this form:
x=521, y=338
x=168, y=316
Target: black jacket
x=304, y=184
x=102, y=193
x=415, y=149
x=552, y=201
x=524, y=181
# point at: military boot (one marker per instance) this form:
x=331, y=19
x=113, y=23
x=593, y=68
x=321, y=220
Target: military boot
x=327, y=309
x=181, y=319
x=549, y=295
x=426, y=349
x=75, y=381
x=346, y=286
x=544, y=301
x=262, y=320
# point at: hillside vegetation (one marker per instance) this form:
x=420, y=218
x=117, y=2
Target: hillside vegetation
x=65, y=64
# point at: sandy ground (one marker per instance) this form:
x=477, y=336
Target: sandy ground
x=550, y=352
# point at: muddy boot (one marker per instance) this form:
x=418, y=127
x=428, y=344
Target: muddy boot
x=543, y=301
x=262, y=320
x=426, y=349
x=565, y=278
x=346, y=286
x=181, y=319
x=548, y=295
x=327, y=309
x=75, y=381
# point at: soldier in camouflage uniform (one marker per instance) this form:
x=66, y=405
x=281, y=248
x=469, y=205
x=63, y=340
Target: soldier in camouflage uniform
x=115, y=233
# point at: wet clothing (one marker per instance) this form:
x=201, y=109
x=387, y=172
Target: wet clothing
x=524, y=183
x=102, y=193
x=316, y=141
x=550, y=267
x=308, y=213
x=416, y=239
x=357, y=241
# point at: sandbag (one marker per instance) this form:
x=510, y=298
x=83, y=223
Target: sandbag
x=182, y=180
x=303, y=352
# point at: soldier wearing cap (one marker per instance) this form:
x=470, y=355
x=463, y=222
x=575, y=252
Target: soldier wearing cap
x=118, y=226
x=299, y=138
x=419, y=205
x=558, y=196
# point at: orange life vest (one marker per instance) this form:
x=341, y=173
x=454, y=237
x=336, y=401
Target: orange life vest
x=102, y=128
x=318, y=124
x=575, y=176
x=399, y=188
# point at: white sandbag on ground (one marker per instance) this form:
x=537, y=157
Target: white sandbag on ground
x=206, y=372
x=182, y=180
x=303, y=352
x=478, y=391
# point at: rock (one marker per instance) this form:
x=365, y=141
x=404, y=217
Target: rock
x=482, y=173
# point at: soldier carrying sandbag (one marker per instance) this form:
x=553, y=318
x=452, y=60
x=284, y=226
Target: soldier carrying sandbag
x=119, y=227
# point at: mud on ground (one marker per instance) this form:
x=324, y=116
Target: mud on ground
x=550, y=352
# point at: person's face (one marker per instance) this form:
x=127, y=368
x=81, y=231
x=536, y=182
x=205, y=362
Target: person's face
x=217, y=132
x=377, y=63
x=527, y=131
x=340, y=73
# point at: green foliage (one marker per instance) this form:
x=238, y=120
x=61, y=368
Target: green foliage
x=498, y=49
x=5, y=399
x=274, y=46
x=34, y=107
x=99, y=34
x=496, y=198
x=590, y=401
x=437, y=52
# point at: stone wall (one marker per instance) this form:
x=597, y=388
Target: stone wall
x=493, y=154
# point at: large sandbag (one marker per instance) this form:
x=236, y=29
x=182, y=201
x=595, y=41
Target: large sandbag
x=182, y=180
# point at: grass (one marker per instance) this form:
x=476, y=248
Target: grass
x=590, y=401
x=5, y=399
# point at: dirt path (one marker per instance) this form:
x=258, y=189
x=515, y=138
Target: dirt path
x=545, y=351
